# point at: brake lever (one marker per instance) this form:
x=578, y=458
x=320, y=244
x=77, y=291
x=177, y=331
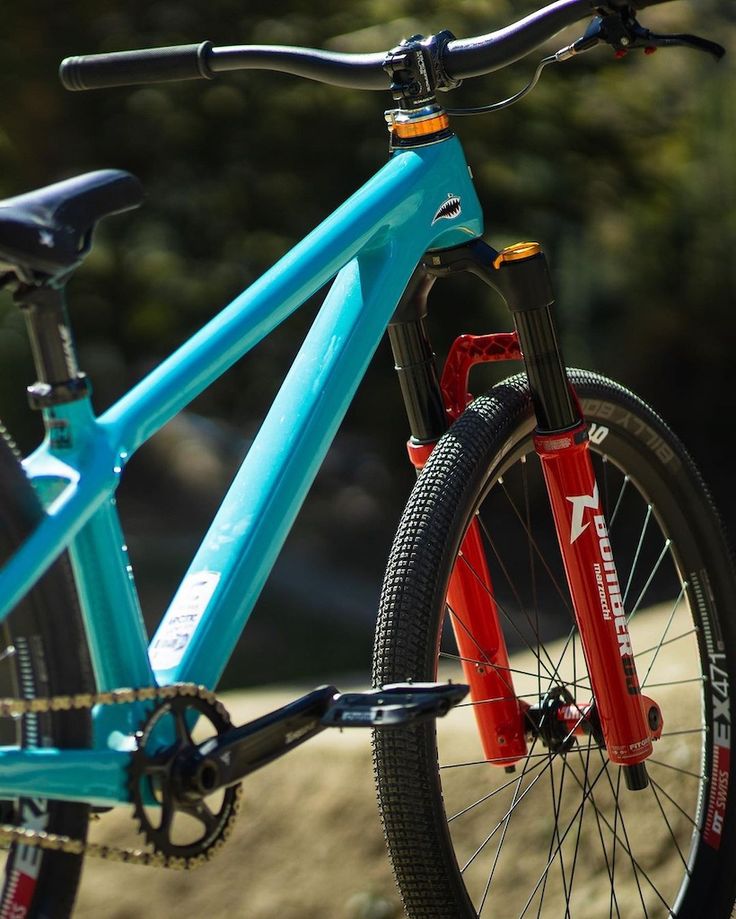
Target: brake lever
x=623, y=33
x=652, y=40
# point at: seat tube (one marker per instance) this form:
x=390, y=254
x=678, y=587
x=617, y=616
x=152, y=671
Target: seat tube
x=561, y=441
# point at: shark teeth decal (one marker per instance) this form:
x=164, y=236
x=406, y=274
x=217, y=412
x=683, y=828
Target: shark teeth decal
x=448, y=209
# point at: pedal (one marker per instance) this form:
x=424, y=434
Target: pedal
x=393, y=706
x=224, y=760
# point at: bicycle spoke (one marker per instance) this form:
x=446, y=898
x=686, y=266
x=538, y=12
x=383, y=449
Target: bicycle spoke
x=490, y=794
x=515, y=804
x=627, y=847
x=615, y=839
x=695, y=679
x=669, y=828
x=528, y=695
x=624, y=844
x=662, y=639
x=507, y=820
x=504, y=819
x=672, y=801
x=487, y=663
x=634, y=563
x=624, y=485
x=556, y=806
x=685, y=731
x=500, y=609
x=580, y=827
x=658, y=762
x=531, y=563
x=645, y=588
x=564, y=836
x=491, y=762
x=523, y=608
x=609, y=864
x=533, y=544
x=662, y=644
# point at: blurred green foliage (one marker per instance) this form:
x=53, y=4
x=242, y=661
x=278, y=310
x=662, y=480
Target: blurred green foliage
x=624, y=169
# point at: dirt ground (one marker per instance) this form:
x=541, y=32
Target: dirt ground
x=308, y=842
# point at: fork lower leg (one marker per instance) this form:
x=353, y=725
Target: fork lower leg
x=561, y=442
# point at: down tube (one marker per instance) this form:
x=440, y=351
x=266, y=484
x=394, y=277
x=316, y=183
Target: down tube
x=237, y=554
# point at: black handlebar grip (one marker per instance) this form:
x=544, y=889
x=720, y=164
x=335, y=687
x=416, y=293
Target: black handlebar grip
x=127, y=68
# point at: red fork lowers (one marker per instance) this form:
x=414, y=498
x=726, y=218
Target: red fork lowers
x=499, y=714
x=474, y=616
x=596, y=595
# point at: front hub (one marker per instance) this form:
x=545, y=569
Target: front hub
x=558, y=721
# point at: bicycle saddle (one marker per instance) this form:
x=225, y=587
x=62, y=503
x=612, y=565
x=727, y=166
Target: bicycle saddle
x=48, y=231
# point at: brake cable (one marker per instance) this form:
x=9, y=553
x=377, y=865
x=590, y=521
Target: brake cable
x=497, y=106
x=622, y=32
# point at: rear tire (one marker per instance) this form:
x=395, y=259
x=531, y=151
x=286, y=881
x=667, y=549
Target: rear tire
x=43, y=653
x=562, y=836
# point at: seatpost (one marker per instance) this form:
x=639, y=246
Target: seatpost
x=52, y=345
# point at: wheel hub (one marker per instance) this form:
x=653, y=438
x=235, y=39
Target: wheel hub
x=558, y=721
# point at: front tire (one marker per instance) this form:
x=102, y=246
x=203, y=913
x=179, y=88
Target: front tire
x=562, y=836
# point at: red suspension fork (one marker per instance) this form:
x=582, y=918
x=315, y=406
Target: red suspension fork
x=562, y=444
x=596, y=595
x=520, y=275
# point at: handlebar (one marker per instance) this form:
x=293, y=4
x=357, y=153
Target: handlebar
x=461, y=59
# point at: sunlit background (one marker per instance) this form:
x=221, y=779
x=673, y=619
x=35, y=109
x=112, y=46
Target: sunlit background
x=623, y=169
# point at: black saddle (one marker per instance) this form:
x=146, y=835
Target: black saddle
x=46, y=232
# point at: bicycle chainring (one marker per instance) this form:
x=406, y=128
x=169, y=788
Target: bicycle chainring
x=178, y=827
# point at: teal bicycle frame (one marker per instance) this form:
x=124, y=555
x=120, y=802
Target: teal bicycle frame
x=370, y=246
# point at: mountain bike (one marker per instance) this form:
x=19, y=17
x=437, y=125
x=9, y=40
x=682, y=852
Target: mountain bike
x=558, y=497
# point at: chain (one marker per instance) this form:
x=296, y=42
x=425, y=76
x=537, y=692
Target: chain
x=60, y=843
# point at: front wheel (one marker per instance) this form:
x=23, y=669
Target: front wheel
x=561, y=835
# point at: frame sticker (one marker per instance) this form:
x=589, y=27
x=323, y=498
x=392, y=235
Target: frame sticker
x=450, y=208
x=179, y=624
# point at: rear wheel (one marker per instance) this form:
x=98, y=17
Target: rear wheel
x=43, y=653
x=561, y=835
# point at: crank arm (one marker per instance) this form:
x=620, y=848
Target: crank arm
x=226, y=759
